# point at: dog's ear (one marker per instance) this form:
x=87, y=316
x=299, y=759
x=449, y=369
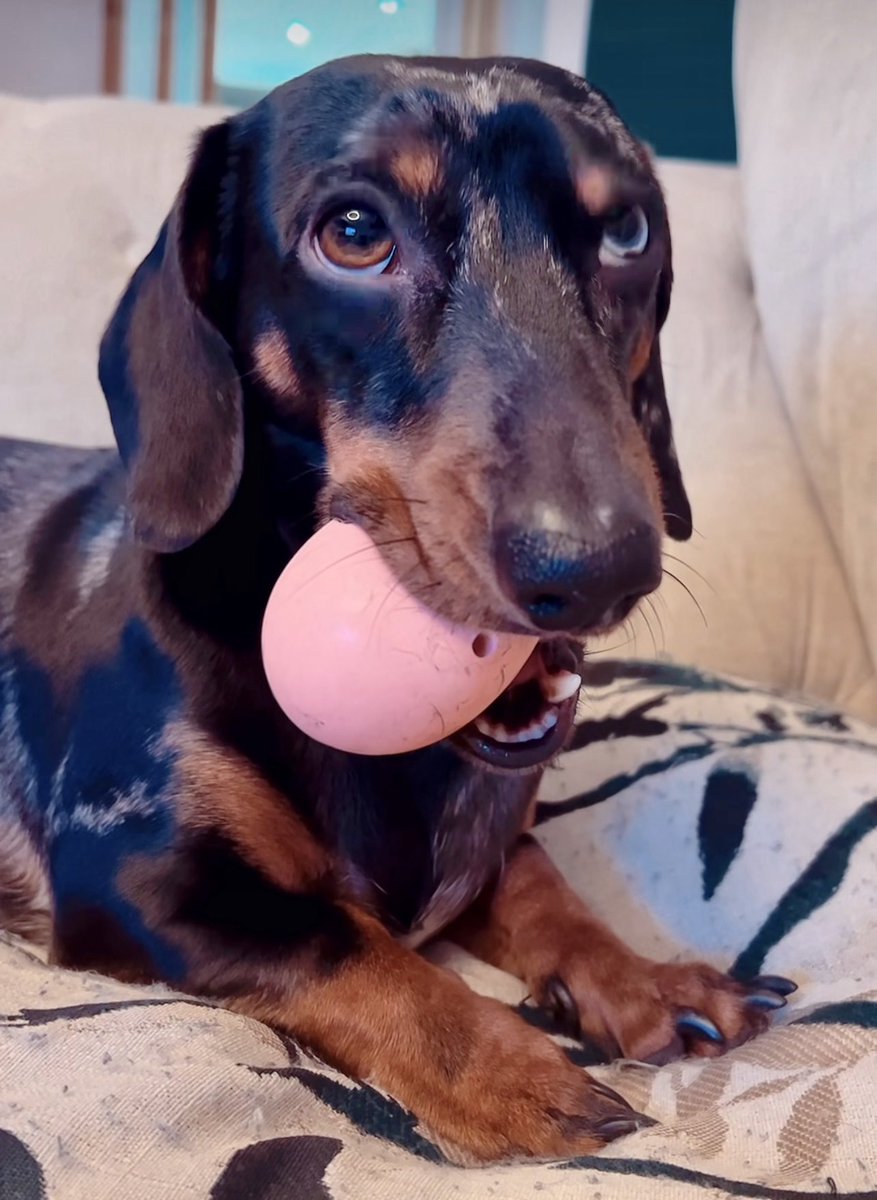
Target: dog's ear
x=167, y=371
x=651, y=410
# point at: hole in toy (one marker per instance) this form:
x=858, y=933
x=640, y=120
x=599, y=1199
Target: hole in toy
x=484, y=645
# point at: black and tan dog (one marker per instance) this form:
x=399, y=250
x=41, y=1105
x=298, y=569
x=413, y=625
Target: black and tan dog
x=422, y=295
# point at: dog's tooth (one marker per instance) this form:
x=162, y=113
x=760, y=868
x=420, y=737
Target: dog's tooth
x=530, y=733
x=559, y=687
x=497, y=733
x=537, y=729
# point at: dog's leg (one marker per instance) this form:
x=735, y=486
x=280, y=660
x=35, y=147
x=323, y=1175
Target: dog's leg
x=245, y=906
x=532, y=924
x=486, y=1085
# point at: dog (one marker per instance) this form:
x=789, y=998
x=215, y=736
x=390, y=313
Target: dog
x=423, y=295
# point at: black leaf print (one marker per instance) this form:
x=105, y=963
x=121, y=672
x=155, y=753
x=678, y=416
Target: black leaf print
x=278, y=1169
x=728, y=799
x=21, y=1177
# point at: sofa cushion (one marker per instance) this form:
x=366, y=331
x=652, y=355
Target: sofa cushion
x=84, y=188
x=701, y=817
x=776, y=604
x=806, y=96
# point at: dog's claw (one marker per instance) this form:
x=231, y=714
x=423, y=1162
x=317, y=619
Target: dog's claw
x=612, y=1095
x=773, y=983
x=616, y=1127
x=559, y=1002
x=769, y=1000
x=700, y=1026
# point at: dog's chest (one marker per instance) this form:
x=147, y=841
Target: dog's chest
x=468, y=848
x=428, y=841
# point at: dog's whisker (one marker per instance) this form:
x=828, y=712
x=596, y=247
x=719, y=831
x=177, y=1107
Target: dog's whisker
x=631, y=625
x=683, y=563
x=308, y=470
x=625, y=627
x=694, y=598
x=641, y=613
x=657, y=617
x=676, y=517
x=400, y=582
x=399, y=541
x=353, y=554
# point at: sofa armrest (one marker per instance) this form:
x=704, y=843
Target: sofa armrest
x=762, y=564
x=806, y=99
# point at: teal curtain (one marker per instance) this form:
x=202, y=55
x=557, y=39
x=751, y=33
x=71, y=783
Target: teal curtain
x=666, y=64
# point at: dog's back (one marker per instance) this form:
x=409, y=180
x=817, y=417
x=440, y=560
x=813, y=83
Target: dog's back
x=59, y=521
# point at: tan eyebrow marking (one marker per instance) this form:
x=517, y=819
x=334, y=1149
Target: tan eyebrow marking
x=595, y=188
x=418, y=171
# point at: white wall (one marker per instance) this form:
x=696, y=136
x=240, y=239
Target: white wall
x=565, y=34
x=51, y=47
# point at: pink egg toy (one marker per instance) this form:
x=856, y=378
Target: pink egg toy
x=357, y=663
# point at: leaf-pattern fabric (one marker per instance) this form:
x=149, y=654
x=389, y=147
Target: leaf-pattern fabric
x=700, y=816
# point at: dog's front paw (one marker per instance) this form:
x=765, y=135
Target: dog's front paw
x=656, y=1012
x=518, y=1096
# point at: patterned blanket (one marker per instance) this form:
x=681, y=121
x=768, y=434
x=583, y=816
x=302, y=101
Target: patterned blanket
x=700, y=816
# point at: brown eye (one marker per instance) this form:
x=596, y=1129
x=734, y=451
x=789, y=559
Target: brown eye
x=356, y=239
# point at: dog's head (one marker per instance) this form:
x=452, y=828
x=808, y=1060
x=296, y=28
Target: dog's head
x=438, y=286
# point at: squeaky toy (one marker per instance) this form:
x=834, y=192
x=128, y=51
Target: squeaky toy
x=359, y=664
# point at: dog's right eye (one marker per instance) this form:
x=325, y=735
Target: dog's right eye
x=355, y=239
x=625, y=235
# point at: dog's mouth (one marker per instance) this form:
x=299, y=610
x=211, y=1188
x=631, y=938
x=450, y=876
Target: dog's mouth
x=529, y=723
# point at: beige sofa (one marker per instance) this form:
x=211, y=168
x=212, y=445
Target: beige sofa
x=770, y=371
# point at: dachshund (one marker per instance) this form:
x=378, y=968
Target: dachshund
x=425, y=296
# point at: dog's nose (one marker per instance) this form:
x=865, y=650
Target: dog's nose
x=562, y=582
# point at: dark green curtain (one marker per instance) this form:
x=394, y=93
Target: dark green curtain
x=666, y=64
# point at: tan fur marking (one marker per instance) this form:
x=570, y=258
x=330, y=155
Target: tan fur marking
x=419, y=171
x=642, y=350
x=221, y=791
x=595, y=188
x=274, y=364
x=424, y=501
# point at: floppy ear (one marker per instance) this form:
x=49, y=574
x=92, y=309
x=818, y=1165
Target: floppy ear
x=651, y=410
x=166, y=370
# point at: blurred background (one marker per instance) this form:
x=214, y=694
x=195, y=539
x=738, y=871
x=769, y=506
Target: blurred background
x=666, y=63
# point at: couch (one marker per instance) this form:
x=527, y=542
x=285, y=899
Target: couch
x=703, y=814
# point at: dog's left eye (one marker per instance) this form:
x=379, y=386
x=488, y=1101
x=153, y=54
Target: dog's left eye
x=625, y=235
x=355, y=239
